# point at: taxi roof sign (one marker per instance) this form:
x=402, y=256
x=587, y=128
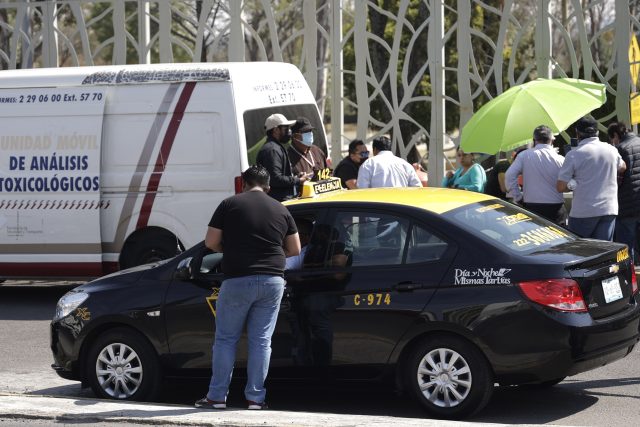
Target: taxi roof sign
x=312, y=189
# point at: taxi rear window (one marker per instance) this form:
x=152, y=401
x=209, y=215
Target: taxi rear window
x=510, y=226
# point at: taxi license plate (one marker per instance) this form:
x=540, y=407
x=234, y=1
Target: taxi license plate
x=611, y=289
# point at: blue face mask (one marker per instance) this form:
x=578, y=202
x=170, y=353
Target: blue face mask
x=307, y=139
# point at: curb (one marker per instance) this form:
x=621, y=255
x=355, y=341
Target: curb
x=20, y=406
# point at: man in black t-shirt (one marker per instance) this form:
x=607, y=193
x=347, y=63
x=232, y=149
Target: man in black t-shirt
x=256, y=234
x=347, y=169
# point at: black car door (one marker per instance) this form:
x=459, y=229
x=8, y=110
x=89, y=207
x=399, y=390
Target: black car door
x=367, y=275
x=190, y=313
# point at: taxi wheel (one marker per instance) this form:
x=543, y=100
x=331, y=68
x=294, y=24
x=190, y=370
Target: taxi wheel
x=449, y=377
x=122, y=365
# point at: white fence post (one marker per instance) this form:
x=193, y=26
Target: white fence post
x=236, y=32
x=436, y=73
x=337, y=105
x=144, y=32
x=49, y=35
x=543, y=40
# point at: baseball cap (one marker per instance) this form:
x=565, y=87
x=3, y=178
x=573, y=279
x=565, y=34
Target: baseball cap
x=542, y=133
x=275, y=120
x=587, y=125
x=302, y=125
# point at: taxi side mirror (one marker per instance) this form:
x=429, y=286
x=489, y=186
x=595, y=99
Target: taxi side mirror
x=184, y=271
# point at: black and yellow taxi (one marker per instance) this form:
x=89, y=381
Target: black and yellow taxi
x=442, y=293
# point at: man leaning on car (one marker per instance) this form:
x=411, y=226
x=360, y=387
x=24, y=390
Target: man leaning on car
x=255, y=232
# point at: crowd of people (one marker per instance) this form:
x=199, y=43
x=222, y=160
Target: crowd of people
x=604, y=178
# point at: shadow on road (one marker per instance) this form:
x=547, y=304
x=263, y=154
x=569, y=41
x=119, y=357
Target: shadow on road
x=522, y=405
x=509, y=405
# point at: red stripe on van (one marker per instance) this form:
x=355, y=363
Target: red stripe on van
x=163, y=155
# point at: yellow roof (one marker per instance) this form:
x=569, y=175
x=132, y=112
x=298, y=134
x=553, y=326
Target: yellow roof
x=437, y=200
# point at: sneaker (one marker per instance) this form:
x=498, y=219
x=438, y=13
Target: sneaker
x=256, y=406
x=205, y=403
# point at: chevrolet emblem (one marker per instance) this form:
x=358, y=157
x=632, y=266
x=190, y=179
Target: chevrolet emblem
x=614, y=268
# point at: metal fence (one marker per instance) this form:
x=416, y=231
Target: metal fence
x=414, y=69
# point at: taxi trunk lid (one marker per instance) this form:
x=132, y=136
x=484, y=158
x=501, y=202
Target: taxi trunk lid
x=605, y=275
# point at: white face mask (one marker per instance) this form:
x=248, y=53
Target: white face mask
x=307, y=139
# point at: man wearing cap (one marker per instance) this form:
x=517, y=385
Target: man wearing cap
x=539, y=167
x=274, y=157
x=305, y=157
x=590, y=170
x=385, y=169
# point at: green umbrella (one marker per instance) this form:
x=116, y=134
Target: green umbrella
x=508, y=120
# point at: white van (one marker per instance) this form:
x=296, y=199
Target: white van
x=110, y=167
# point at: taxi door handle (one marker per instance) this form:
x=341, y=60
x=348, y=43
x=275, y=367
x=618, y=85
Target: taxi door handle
x=406, y=286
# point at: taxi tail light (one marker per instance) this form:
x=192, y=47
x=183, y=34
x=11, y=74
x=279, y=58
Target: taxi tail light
x=558, y=294
x=237, y=184
x=634, y=280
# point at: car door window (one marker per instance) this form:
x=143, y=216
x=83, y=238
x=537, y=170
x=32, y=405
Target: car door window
x=369, y=239
x=310, y=254
x=211, y=263
x=424, y=246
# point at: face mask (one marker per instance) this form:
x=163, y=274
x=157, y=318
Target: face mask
x=364, y=155
x=307, y=139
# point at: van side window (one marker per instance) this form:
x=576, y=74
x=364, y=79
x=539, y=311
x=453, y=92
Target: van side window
x=254, y=126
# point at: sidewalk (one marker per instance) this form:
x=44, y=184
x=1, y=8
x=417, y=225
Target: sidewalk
x=75, y=410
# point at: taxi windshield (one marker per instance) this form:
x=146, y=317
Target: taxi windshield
x=509, y=226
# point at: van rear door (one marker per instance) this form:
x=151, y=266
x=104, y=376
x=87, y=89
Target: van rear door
x=50, y=181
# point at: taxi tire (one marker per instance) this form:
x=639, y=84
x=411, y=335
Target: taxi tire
x=482, y=376
x=151, y=378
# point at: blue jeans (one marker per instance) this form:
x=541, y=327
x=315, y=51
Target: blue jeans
x=626, y=233
x=256, y=301
x=595, y=227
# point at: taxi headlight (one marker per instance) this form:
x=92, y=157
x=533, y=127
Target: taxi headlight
x=69, y=302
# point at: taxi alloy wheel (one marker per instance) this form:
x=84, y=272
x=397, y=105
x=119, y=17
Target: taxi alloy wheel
x=449, y=377
x=123, y=366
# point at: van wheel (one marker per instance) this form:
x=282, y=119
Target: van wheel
x=449, y=377
x=147, y=247
x=122, y=365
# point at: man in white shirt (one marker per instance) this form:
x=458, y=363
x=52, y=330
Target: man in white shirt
x=384, y=169
x=591, y=171
x=539, y=167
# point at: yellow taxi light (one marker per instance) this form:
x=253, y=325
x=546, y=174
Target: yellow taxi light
x=312, y=189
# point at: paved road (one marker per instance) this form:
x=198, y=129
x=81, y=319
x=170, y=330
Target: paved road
x=607, y=396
